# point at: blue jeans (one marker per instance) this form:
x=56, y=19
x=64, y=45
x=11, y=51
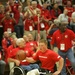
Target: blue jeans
x=2, y=67
x=30, y=67
x=70, y=55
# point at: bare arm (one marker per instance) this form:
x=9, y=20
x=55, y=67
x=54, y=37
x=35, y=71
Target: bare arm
x=61, y=62
x=31, y=60
x=17, y=62
x=50, y=28
x=20, y=3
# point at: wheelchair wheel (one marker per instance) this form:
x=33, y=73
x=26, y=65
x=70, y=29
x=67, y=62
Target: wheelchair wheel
x=17, y=71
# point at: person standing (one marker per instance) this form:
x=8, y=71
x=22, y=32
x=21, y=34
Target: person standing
x=63, y=38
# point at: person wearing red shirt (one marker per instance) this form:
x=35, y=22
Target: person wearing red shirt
x=40, y=22
x=24, y=64
x=46, y=13
x=29, y=25
x=47, y=57
x=55, y=12
x=69, y=8
x=16, y=12
x=19, y=28
x=31, y=43
x=63, y=38
x=65, y=2
x=11, y=47
x=14, y=9
x=6, y=42
x=8, y=23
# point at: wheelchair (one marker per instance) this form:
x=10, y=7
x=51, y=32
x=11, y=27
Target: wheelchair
x=17, y=70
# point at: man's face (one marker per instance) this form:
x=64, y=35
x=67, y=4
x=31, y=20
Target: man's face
x=63, y=27
x=69, y=3
x=34, y=5
x=30, y=37
x=42, y=47
x=7, y=15
x=56, y=6
x=6, y=35
x=44, y=5
x=21, y=44
x=20, y=8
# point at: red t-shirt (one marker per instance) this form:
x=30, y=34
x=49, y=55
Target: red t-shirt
x=47, y=59
x=39, y=6
x=64, y=39
x=5, y=45
x=41, y=25
x=29, y=53
x=14, y=9
x=8, y=23
x=28, y=24
x=70, y=11
x=46, y=14
x=32, y=45
x=9, y=50
x=55, y=13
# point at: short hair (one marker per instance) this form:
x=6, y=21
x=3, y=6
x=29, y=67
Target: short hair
x=43, y=41
x=34, y=2
x=18, y=41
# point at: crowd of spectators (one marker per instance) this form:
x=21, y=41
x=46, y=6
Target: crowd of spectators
x=24, y=25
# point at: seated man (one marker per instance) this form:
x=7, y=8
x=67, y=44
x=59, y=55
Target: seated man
x=48, y=58
x=22, y=63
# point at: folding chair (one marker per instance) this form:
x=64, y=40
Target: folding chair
x=69, y=68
